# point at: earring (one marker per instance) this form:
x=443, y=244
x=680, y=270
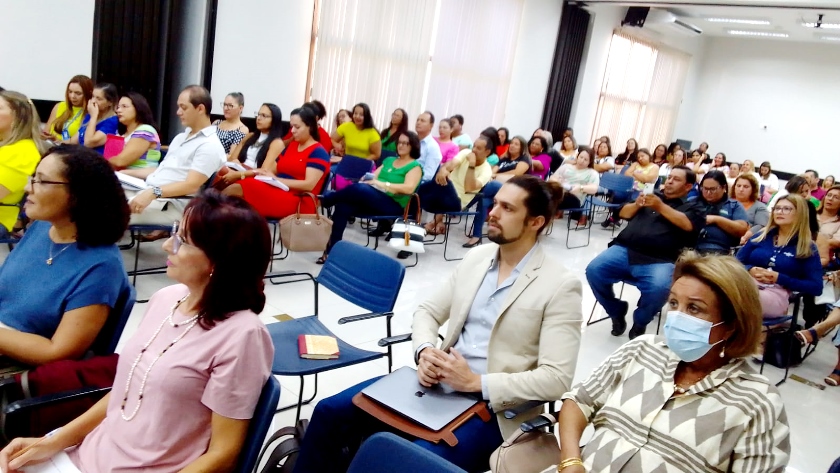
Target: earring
x=723, y=352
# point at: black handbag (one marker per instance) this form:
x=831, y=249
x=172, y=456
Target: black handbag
x=781, y=348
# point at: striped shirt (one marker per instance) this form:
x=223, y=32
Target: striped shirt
x=732, y=420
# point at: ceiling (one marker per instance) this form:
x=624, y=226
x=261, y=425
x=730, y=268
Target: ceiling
x=787, y=19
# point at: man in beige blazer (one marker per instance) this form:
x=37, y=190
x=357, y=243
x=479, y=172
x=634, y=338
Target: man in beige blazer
x=513, y=334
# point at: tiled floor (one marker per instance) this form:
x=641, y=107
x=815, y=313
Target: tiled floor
x=812, y=412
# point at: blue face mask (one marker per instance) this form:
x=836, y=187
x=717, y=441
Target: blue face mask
x=688, y=336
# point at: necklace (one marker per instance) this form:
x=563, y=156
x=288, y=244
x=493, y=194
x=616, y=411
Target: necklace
x=191, y=321
x=51, y=258
x=682, y=390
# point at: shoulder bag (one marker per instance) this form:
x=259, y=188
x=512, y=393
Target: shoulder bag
x=408, y=235
x=306, y=232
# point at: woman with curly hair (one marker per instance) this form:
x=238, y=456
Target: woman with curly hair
x=61, y=282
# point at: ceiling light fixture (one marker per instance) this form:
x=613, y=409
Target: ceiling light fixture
x=762, y=34
x=738, y=21
x=830, y=38
x=828, y=26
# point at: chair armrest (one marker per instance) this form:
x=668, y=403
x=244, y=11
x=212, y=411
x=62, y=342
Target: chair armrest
x=55, y=398
x=356, y=318
x=288, y=274
x=388, y=341
x=519, y=409
x=537, y=423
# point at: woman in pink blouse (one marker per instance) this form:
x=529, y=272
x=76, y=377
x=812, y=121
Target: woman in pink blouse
x=448, y=148
x=189, y=379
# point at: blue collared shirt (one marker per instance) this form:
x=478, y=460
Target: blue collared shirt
x=430, y=157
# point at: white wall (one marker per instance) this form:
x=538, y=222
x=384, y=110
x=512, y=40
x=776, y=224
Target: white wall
x=532, y=65
x=262, y=50
x=791, y=88
x=38, y=61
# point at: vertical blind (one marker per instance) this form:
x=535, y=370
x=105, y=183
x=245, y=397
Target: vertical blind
x=447, y=56
x=641, y=92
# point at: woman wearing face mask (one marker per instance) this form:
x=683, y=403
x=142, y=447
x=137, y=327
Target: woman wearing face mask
x=691, y=402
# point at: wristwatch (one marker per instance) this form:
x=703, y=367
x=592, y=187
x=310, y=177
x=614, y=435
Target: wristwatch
x=158, y=192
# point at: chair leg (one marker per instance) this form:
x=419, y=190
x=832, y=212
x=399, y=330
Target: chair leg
x=448, y=223
x=592, y=313
x=300, y=403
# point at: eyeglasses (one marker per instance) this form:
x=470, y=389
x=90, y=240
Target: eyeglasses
x=782, y=210
x=38, y=180
x=264, y=115
x=402, y=142
x=227, y=105
x=177, y=241
x=710, y=190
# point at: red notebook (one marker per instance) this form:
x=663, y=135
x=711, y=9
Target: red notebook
x=318, y=347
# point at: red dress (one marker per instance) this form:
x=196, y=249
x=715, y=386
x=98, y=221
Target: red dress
x=271, y=202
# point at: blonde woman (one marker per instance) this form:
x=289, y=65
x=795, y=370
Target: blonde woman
x=21, y=148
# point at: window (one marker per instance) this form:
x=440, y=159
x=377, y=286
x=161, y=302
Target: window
x=641, y=92
x=447, y=56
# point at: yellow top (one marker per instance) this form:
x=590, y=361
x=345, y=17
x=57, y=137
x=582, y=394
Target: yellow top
x=483, y=174
x=73, y=123
x=357, y=142
x=17, y=163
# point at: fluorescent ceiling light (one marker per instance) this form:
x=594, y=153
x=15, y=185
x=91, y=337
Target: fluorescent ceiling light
x=738, y=21
x=828, y=26
x=763, y=34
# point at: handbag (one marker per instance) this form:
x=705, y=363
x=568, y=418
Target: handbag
x=781, y=348
x=527, y=452
x=306, y=232
x=408, y=235
x=114, y=145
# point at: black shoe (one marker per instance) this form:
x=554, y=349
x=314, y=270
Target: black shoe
x=403, y=254
x=606, y=223
x=619, y=323
x=637, y=330
x=351, y=220
x=471, y=245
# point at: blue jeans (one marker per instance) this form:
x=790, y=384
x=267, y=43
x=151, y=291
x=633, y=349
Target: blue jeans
x=652, y=280
x=357, y=200
x=490, y=190
x=338, y=428
x=439, y=199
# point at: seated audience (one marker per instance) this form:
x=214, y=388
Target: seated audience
x=193, y=157
x=660, y=155
x=515, y=162
x=320, y=112
x=767, y=179
x=200, y=340
x=643, y=171
x=745, y=191
x=66, y=117
x=448, y=148
x=782, y=258
x=343, y=116
x=568, y=150
x=504, y=139
x=627, y=157
x=813, y=179
x=358, y=137
x=430, y=152
x=493, y=135
x=454, y=186
x=677, y=159
x=20, y=151
x=100, y=113
x=690, y=402
x=697, y=164
x=799, y=185
x=734, y=172
x=659, y=226
x=821, y=329
x=749, y=168
x=604, y=162
x=828, y=215
x=141, y=152
x=386, y=194
x=458, y=136
x=553, y=154
x=704, y=149
x=231, y=131
x=257, y=151
x=719, y=164
x=303, y=166
x=828, y=182
x=726, y=219
x=541, y=161
x=388, y=135
x=579, y=179
x=672, y=148
x=505, y=341
x=60, y=283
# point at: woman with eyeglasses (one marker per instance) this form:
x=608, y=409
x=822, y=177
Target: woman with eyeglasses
x=250, y=154
x=783, y=258
x=189, y=378
x=231, y=131
x=140, y=154
x=60, y=283
x=726, y=219
x=20, y=150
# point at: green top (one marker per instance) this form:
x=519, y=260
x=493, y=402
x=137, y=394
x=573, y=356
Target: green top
x=392, y=146
x=395, y=175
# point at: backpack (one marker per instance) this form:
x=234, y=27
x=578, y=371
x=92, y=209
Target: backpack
x=284, y=456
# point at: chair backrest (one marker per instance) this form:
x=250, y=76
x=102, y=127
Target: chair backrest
x=385, y=452
x=616, y=182
x=362, y=276
x=259, y=425
x=353, y=167
x=108, y=338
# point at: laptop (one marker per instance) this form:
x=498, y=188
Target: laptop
x=432, y=408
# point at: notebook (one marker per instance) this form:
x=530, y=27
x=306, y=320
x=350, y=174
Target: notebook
x=432, y=408
x=318, y=347
x=272, y=182
x=59, y=463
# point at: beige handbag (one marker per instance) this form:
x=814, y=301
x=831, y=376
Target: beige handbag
x=527, y=452
x=307, y=232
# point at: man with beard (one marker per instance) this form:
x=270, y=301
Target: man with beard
x=513, y=334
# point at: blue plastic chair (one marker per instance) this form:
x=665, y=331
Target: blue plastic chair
x=259, y=425
x=621, y=187
x=9, y=239
x=385, y=452
x=358, y=275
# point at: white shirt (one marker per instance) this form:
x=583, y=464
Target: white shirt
x=772, y=182
x=201, y=152
x=251, y=153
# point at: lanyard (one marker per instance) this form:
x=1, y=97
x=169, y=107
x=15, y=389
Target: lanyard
x=65, y=134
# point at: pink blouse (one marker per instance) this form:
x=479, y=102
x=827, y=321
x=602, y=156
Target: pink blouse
x=448, y=150
x=220, y=370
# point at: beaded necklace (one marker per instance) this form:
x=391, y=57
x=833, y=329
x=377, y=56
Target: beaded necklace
x=191, y=321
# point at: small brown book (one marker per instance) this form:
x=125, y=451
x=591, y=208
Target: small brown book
x=318, y=347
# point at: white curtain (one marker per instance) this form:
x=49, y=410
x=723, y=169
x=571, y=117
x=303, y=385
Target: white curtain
x=641, y=92
x=472, y=60
x=372, y=51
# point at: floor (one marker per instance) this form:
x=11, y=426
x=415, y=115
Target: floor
x=814, y=434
